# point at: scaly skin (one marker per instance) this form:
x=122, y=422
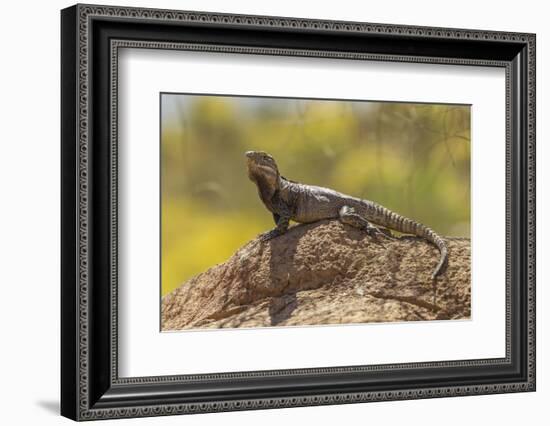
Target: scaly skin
x=289, y=200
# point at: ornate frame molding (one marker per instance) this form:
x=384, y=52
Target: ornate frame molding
x=78, y=24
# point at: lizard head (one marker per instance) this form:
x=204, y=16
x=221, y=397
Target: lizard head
x=263, y=171
x=261, y=164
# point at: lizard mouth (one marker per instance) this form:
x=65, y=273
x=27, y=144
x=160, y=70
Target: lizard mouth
x=253, y=157
x=253, y=161
x=251, y=164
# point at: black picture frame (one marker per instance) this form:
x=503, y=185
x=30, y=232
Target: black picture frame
x=90, y=386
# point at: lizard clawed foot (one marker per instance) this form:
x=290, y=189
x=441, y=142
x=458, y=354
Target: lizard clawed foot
x=387, y=233
x=266, y=236
x=376, y=232
x=372, y=230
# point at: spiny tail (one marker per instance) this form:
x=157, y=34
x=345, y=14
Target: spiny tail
x=385, y=217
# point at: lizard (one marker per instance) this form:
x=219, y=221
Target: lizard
x=288, y=200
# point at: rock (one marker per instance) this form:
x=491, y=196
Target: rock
x=324, y=273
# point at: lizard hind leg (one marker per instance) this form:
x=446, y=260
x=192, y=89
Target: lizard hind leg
x=349, y=216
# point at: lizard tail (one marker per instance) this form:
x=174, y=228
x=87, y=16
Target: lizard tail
x=390, y=219
x=441, y=245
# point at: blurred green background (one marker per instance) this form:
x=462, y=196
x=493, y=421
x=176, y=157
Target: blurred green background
x=412, y=158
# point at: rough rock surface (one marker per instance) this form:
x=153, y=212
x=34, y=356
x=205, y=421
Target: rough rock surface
x=324, y=273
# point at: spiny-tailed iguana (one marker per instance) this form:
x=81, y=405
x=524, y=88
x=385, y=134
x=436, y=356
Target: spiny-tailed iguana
x=289, y=200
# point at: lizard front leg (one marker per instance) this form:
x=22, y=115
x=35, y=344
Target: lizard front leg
x=282, y=220
x=282, y=226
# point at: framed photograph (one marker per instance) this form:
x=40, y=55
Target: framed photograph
x=263, y=212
